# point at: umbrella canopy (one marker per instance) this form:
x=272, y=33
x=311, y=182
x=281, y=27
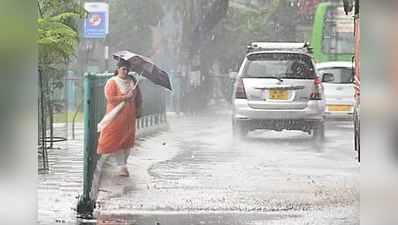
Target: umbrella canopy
x=143, y=65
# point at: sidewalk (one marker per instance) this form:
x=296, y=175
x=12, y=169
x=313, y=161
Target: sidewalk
x=59, y=188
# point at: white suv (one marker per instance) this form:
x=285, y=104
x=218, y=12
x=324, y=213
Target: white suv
x=277, y=88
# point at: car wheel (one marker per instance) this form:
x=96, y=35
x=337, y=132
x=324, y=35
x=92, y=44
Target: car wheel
x=359, y=147
x=357, y=141
x=318, y=131
x=240, y=130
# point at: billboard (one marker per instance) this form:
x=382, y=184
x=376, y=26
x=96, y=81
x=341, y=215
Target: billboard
x=96, y=23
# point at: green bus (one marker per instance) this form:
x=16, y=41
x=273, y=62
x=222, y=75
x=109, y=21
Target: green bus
x=332, y=34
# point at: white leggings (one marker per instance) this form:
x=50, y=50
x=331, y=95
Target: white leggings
x=120, y=157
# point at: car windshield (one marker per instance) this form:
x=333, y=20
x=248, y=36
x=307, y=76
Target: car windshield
x=279, y=66
x=341, y=75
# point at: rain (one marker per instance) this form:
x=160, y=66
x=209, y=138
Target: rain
x=235, y=112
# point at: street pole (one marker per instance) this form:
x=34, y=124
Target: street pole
x=106, y=56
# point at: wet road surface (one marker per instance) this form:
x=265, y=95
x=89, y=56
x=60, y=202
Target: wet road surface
x=197, y=173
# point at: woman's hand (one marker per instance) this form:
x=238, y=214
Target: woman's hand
x=130, y=95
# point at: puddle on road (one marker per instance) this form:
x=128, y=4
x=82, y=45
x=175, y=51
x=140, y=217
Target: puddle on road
x=190, y=162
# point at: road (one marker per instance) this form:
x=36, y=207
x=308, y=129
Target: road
x=197, y=173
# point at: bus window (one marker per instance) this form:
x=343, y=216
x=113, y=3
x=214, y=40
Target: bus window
x=338, y=37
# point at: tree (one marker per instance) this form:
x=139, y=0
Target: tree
x=57, y=39
x=241, y=26
x=228, y=41
x=57, y=31
x=132, y=22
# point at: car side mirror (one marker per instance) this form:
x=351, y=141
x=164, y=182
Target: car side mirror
x=327, y=77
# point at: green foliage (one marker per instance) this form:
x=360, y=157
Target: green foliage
x=56, y=40
x=57, y=31
x=50, y=8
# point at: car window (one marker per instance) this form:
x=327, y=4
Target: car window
x=341, y=75
x=279, y=65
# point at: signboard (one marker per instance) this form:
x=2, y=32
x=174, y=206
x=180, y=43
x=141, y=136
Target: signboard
x=96, y=24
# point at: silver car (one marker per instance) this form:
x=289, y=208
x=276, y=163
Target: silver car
x=277, y=88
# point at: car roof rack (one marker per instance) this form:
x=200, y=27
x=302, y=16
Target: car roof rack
x=275, y=46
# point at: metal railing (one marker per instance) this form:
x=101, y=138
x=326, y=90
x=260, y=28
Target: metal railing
x=153, y=114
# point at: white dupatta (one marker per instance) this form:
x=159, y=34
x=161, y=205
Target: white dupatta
x=124, y=87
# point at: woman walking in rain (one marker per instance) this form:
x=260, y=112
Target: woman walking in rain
x=118, y=128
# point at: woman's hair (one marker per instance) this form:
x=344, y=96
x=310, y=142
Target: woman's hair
x=121, y=63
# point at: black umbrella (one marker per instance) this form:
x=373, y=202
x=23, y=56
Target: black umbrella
x=143, y=65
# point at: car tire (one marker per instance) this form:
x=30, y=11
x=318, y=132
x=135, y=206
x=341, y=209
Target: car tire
x=240, y=130
x=359, y=146
x=357, y=139
x=318, y=131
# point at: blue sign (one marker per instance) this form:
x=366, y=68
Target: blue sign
x=96, y=25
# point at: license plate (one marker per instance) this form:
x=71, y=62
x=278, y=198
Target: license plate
x=339, y=108
x=278, y=94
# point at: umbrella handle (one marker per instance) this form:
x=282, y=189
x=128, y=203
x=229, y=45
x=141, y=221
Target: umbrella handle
x=138, y=80
x=135, y=85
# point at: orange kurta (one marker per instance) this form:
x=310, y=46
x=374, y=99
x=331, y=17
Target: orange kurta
x=119, y=133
